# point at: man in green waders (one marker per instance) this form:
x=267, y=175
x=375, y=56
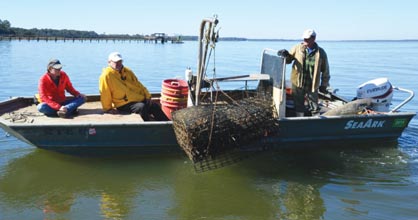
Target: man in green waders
x=310, y=73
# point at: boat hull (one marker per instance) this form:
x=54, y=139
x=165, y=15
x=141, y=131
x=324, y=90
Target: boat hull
x=157, y=137
x=313, y=130
x=148, y=137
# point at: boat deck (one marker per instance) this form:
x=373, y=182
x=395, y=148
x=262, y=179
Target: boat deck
x=90, y=112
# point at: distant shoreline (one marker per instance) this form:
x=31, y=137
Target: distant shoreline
x=184, y=38
x=7, y=32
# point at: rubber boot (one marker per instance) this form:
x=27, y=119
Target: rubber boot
x=300, y=114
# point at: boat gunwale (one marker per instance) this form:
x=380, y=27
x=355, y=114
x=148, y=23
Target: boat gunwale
x=21, y=102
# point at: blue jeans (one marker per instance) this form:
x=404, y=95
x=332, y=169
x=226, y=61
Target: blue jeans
x=70, y=104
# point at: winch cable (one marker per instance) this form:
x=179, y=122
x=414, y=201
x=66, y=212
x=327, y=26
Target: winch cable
x=212, y=48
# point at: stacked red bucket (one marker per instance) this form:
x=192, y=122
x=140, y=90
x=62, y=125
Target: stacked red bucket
x=174, y=94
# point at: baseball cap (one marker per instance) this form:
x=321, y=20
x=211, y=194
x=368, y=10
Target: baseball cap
x=54, y=63
x=115, y=57
x=308, y=34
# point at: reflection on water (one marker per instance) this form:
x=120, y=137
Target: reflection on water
x=54, y=184
x=290, y=184
x=114, y=206
x=56, y=204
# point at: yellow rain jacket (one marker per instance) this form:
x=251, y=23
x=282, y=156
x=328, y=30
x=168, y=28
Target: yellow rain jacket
x=117, y=89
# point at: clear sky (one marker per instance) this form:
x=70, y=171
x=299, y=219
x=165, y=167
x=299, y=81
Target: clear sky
x=332, y=20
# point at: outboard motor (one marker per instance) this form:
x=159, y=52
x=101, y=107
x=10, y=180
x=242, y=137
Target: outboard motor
x=380, y=90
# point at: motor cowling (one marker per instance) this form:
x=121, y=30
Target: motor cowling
x=380, y=90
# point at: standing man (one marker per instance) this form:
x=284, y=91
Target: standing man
x=120, y=90
x=52, y=87
x=310, y=72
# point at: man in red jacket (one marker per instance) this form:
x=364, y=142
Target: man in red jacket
x=52, y=87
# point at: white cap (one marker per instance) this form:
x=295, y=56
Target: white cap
x=115, y=57
x=308, y=34
x=54, y=63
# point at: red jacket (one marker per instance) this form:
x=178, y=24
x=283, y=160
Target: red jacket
x=54, y=95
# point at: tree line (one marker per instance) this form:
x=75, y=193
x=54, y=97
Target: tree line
x=8, y=31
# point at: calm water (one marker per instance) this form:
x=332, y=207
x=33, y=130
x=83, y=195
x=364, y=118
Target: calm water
x=356, y=182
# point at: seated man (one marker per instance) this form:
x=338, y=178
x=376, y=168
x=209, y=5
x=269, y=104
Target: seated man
x=120, y=90
x=52, y=87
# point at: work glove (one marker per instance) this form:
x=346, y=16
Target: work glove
x=283, y=53
x=324, y=89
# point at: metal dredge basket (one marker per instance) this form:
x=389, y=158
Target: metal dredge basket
x=214, y=134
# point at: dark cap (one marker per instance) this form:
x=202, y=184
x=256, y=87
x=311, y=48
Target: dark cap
x=54, y=63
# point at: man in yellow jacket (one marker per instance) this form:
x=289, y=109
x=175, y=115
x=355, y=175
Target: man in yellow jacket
x=310, y=72
x=121, y=91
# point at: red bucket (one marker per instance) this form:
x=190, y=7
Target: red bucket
x=169, y=107
x=176, y=84
x=173, y=95
x=174, y=99
x=175, y=88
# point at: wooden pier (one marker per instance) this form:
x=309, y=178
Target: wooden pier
x=69, y=39
x=154, y=38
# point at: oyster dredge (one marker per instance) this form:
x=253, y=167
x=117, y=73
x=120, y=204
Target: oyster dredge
x=208, y=121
